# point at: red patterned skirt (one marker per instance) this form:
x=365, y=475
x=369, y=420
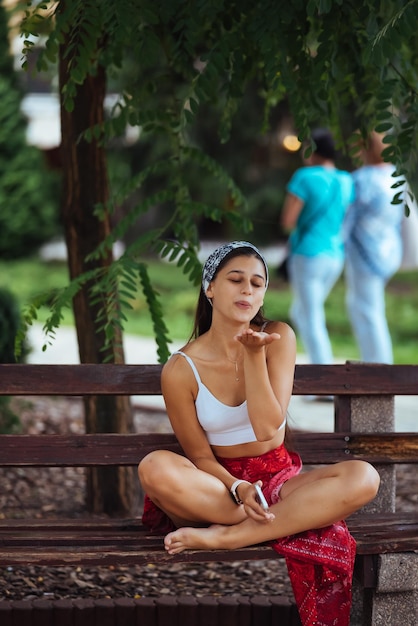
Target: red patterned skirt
x=320, y=562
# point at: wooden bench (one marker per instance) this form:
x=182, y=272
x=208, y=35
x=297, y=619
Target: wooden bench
x=364, y=429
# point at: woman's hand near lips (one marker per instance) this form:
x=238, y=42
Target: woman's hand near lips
x=253, y=339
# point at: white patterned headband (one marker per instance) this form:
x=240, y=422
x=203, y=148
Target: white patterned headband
x=218, y=255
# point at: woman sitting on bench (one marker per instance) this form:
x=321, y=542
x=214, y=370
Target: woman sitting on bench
x=227, y=393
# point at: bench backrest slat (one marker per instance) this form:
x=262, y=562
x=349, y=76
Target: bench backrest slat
x=79, y=380
x=116, y=449
x=102, y=379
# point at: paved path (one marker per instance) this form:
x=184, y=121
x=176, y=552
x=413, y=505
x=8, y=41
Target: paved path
x=314, y=416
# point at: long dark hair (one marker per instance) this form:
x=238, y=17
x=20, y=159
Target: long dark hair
x=203, y=315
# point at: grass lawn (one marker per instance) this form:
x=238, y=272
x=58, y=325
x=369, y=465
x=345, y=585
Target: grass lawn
x=27, y=278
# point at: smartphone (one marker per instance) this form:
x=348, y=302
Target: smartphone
x=260, y=498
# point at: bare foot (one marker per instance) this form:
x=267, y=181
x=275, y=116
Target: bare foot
x=194, y=538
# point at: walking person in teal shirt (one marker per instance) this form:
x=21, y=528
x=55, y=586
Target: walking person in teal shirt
x=317, y=198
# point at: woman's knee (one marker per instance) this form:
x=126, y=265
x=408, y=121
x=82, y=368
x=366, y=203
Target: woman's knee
x=364, y=480
x=154, y=467
x=373, y=478
x=160, y=468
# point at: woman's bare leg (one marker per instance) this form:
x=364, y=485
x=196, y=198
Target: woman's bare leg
x=185, y=493
x=312, y=500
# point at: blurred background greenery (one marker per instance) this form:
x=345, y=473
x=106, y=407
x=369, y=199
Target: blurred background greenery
x=26, y=278
x=256, y=161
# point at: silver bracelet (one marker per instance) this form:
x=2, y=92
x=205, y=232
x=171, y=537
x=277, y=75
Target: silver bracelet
x=233, y=490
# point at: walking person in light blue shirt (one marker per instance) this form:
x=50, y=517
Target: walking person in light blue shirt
x=314, y=208
x=373, y=242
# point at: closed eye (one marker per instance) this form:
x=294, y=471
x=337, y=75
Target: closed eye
x=258, y=285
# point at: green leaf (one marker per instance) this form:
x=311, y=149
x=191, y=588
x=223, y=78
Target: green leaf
x=383, y=127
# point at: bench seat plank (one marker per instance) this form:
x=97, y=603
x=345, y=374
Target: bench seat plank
x=381, y=533
x=57, y=541
x=120, y=554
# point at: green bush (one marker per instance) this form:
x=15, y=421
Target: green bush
x=9, y=421
x=28, y=191
x=9, y=323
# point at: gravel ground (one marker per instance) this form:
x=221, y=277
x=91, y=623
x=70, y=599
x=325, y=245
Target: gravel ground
x=54, y=492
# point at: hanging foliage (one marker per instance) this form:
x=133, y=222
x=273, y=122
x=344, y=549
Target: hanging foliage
x=351, y=65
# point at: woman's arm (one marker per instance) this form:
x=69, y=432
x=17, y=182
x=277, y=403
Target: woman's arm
x=269, y=365
x=179, y=389
x=292, y=207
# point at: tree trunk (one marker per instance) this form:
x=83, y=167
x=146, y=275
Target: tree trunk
x=109, y=490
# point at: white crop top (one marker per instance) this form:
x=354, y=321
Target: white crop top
x=224, y=425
